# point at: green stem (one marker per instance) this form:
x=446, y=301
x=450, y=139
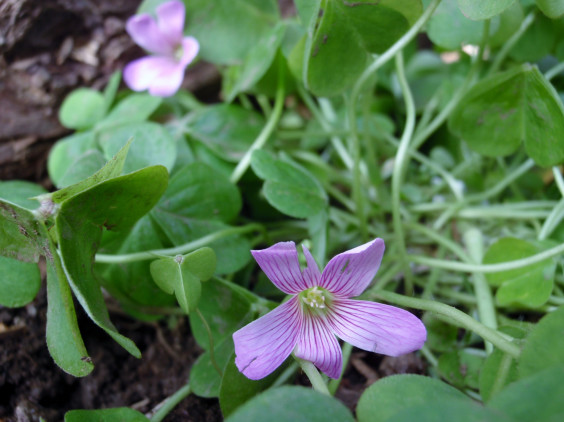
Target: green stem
x=171, y=403
x=551, y=73
x=449, y=179
x=273, y=119
x=502, y=184
x=552, y=221
x=178, y=250
x=510, y=43
x=486, y=309
x=423, y=134
x=210, y=339
x=454, y=316
x=502, y=374
x=441, y=240
x=314, y=377
x=285, y=375
x=488, y=268
x=431, y=283
x=392, y=51
x=326, y=124
x=334, y=384
x=358, y=196
x=558, y=179
x=429, y=356
x=398, y=174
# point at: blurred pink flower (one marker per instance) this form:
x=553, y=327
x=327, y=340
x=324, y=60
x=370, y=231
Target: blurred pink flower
x=162, y=72
x=321, y=308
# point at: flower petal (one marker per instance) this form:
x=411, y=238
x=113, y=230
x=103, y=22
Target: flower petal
x=190, y=48
x=140, y=73
x=145, y=32
x=349, y=273
x=281, y=265
x=264, y=344
x=170, y=20
x=311, y=274
x=168, y=81
x=376, y=327
x=320, y=346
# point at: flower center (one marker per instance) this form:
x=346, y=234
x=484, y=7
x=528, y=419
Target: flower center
x=315, y=298
x=179, y=52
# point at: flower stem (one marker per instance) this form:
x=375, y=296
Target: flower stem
x=486, y=309
x=551, y=73
x=399, y=172
x=210, y=338
x=178, y=250
x=334, y=384
x=170, y=403
x=452, y=315
x=511, y=42
x=502, y=374
x=243, y=165
x=423, y=133
x=314, y=377
x=391, y=52
x=488, y=268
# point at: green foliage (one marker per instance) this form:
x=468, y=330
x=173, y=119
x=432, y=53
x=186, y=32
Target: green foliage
x=551, y=8
x=483, y=9
x=227, y=129
x=63, y=335
x=122, y=414
x=237, y=389
x=297, y=404
x=508, y=108
x=21, y=193
x=182, y=274
x=82, y=109
x=256, y=63
x=529, y=286
x=288, y=188
x=461, y=368
x=347, y=33
x=494, y=369
x=20, y=282
x=115, y=204
x=449, y=28
x=544, y=347
x=537, y=397
x=217, y=26
x=389, y=396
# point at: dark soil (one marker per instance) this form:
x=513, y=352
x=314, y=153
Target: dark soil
x=31, y=385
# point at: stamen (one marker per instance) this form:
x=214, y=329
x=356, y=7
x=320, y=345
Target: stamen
x=314, y=298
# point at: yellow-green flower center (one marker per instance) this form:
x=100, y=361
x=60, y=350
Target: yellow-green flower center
x=315, y=298
x=179, y=52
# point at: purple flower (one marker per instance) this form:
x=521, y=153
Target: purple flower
x=321, y=308
x=163, y=72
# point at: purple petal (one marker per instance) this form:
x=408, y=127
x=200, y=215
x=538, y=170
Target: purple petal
x=349, y=273
x=311, y=274
x=264, y=344
x=376, y=327
x=281, y=265
x=168, y=81
x=141, y=74
x=320, y=346
x=170, y=20
x=190, y=48
x=145, y=32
